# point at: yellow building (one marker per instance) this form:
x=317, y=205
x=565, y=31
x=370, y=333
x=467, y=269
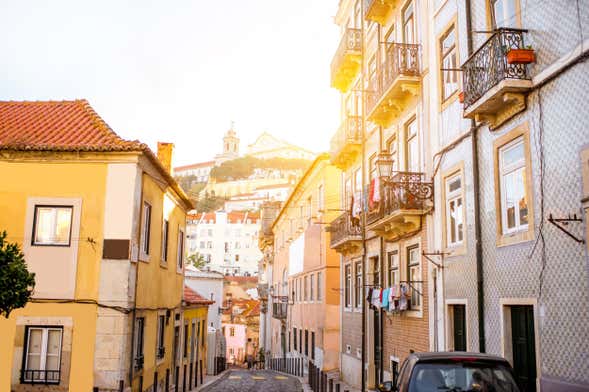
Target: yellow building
x=101, y=223
x=305, y=282
x=194, y=345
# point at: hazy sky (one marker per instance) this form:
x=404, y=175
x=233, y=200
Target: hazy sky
x=179, y=70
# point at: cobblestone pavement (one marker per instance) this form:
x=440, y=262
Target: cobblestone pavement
x=255, y=381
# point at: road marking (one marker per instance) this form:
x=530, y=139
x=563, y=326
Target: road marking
x=235, y=377
x=281, y=378
x=258, y=378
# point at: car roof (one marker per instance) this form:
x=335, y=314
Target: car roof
x=424, y=356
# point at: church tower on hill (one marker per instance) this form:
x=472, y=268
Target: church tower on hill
x=230, y=147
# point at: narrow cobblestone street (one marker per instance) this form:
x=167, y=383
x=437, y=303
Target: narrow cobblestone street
x=255, y=380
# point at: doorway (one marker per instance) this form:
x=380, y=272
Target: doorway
x=459, y=327
x=523, y=346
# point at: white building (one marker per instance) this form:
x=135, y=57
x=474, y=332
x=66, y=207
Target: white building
x=210, y=285
x=227, y=240
x=253, y=201
x=200, y=170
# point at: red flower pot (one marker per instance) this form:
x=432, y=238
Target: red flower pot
x=521, y=56
x=461, y=97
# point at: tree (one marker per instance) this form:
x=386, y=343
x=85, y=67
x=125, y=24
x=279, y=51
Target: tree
x=16, y=282
x=197, y=260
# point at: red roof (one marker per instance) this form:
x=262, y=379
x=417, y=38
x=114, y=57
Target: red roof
x=58, y=125
x=232, y=217
x=67, y=126
x=191, y=297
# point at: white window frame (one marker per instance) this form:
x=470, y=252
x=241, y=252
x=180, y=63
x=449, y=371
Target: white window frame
x=43, y=354
x=414, y=269
x=311, y=288
x=520, y=166
x=180, y=250
x=393, y=267
x=319, y=286
x=348, y=286
x=146, y=230
x=357, y=285
x=54, y=209
x=139, y=326
x=454, y=196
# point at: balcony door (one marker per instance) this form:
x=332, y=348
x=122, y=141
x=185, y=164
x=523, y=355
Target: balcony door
x=505, y=13
x=409, y=24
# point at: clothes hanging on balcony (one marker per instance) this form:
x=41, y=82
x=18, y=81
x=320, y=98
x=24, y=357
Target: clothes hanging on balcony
x=369, y=297
x=357, y=205
x=374, y=193
x=376, y=298
x=385, y=298
x=403, y=297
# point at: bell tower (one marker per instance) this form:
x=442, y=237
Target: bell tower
x=230, y=146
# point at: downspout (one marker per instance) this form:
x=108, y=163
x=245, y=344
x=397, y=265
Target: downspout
x=477, y=214
x=382, y=314
x=138, y=236
x=363, y=175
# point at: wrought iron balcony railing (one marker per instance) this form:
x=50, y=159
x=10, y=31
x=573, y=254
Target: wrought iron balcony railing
x=33, y=376
x=343, y=228
x=404, y=191
x=347, y=141
x=400, y=60
x=279, y=310
x=346, y=61
x=488, y=66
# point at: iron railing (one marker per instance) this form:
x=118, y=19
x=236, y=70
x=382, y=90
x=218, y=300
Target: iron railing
x=34, y=376
x=343, y=227
x=351, y=41
x=161, y=352
x=349, y=132
x=488, y=66
x=279, y=310
x=400, y=60
x=139, y=362
x=403, y=191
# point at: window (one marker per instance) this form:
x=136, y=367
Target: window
x=202, y=332
x=306, y=342
x=347, y=286
x=448, y=55
x=411, y=146
x=202, y=245
x=232, y=331
x=408, y=24
x=231, y=350
x=512, y=184
x=392, y=149
x=372, y=170
x=210, y=232
x=139, y=340
x=161, y=329
x=301, y=340
x=210, y=244
x=319, y=286
x=165, y=241
x=311, y=285
x=43, y=354
x=320, y=198
x=313, y=345
x=294, y=333
x=454, y=211
x=145, y=232
x=358, y=285
x=180, y=249
x=505, y=13
x=52, y=225
x=227, y=247
x=236, y=258
x=414, y=276
x=393, y=265
x=357, y=183
x=306, y=288
x=185, y=347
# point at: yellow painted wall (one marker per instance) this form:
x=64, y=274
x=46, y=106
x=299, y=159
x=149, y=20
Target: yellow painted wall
x=70, y=179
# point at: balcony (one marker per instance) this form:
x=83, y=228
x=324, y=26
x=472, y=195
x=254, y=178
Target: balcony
x=346, y=236
x=346, y=63
x=33, y=376
x=279, y=310
x=398, y=79
x=379, y=10
x=494, y=90
x=346, y=144
x=405, y=198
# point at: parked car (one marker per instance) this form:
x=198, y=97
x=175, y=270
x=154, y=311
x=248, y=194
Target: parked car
x=453, y=372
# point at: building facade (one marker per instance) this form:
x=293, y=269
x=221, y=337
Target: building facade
x=267, y=146
x=226, y=240
x=304, y=292
x=210, y=285
x=200, y=171
x=101, y=223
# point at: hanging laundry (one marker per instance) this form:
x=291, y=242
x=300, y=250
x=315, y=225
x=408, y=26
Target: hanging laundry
x=385, y=298
x=357, y=205
x=369, y=297
x=376, y=298
x=403, y=297
x=371, y=194
x=391, y=299
x=376, y=190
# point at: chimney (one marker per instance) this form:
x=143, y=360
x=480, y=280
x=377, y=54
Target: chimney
x=164, y=154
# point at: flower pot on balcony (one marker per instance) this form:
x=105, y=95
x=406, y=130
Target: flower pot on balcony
x=521, y=56
x=461, y=97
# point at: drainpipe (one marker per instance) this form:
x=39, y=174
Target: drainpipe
x=363, y=174
x=477, y=213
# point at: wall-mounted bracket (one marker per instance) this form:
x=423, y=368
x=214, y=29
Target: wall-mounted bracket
x=561, y=224
x=440, y=254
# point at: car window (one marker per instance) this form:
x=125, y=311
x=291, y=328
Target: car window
x=461, y=377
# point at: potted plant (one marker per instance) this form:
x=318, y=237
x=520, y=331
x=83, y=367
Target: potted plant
x=521, y=56
x=461, y=97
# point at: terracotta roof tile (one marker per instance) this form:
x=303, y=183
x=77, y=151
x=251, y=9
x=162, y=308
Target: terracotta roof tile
x=191, y=297
x=67, y=126
x=58, y=126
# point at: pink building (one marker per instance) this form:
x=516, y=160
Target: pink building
x=236, y=340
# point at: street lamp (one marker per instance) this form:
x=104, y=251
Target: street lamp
x=384, y=165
